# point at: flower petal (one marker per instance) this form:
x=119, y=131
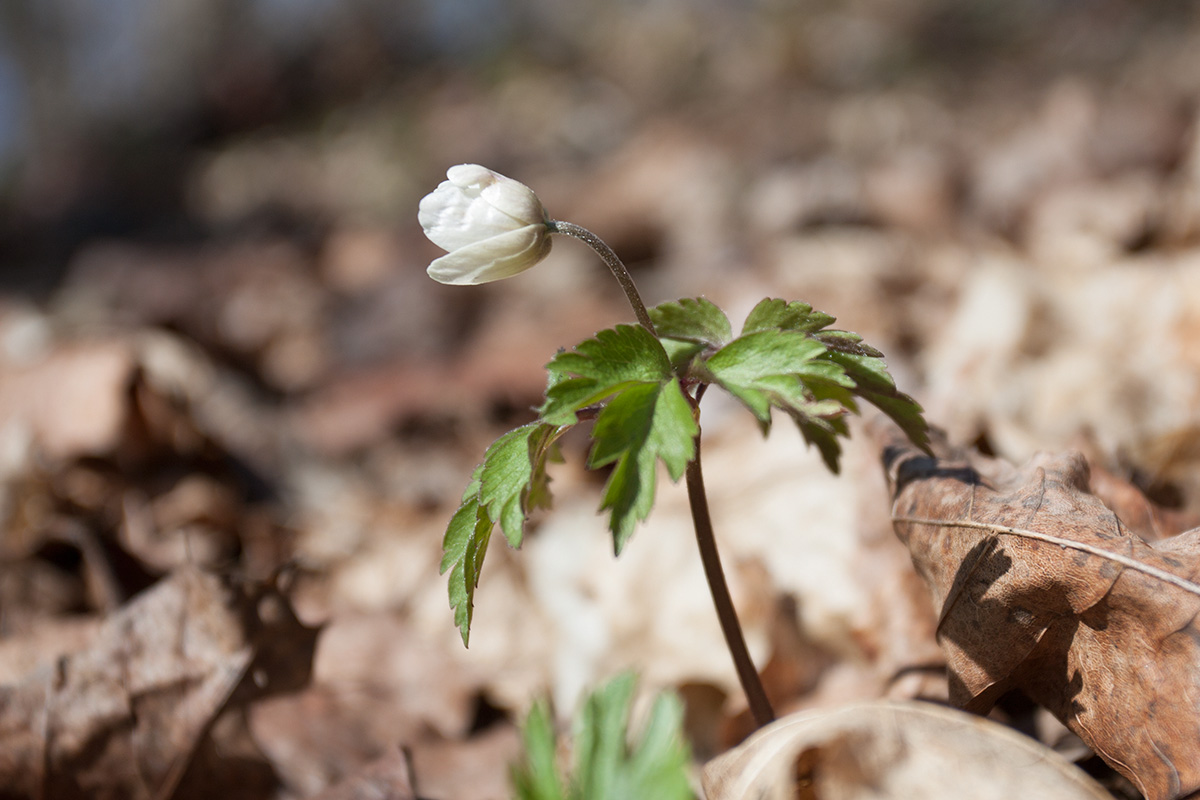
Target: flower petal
x=515, y=200
x=452, y=217
x=493, y=259
x=475, y=204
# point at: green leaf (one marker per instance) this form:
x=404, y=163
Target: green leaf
x=536, y=776
x=597, y=368
x=658, y=764
x=681, y=352
x=509, y=483
x=872, y=382
x=786, y=358
x=463, y=547
x=782, y=315
x=638, y=427
x=767, y=368
x=609, y=763
x=600, y=738
x=692, y=320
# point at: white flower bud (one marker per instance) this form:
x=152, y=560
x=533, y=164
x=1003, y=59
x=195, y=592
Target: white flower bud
x=492, y=226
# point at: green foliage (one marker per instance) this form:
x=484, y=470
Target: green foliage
x=646, y=417
x=536, y=777
x=865, y=366
x=692, y=320
x=640, y=390
x=786, y=359
x=597, y=368
x=689, y=327
x=509, y=484
x=773, y=313
x=637, y=427
x=607, y=765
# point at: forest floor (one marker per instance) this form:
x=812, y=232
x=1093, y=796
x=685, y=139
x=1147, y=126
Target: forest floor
x=226, y=466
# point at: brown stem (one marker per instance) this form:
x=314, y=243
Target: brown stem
x=760, y=706
x=614, y=263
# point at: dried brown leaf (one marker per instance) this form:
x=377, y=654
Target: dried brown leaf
x=74, y=400
x=387, y=778
x=1041, y=587
x=124, y=717
x=893, y=750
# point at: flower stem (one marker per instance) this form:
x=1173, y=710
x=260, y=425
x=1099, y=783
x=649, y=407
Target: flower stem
x=614, y=263
x=756, y=695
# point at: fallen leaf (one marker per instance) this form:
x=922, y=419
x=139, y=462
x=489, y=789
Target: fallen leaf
x=893, y=750
x=73, y=400
x=474, y=768
x=1041, y=587
x=386, y=778
x=126, y=716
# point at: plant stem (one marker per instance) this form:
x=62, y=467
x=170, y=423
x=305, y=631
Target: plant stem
x=760, y=706
x=614, y=263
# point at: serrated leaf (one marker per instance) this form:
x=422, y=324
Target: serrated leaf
x=823, y=433
x=765, y=368
x=874, y=384
x=463, y=546
x=614, y=360
x=694, y=320
x=847, y=342
x=866, y=367
x=509, y=483
x=780, y=314
x=643, y=424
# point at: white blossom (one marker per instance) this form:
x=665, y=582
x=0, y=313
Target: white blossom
x=492, y=226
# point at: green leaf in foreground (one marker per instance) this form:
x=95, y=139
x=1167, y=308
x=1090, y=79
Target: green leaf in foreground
x=536, y=776
x=639, y=426
x=509, y=484
x=607, y=763
x=599, y=367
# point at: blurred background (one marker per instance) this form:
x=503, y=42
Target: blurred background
x=218, y=344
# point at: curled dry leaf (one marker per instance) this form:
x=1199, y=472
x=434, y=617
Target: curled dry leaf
x=893, y=750
x=1040, y=587
x=127, y=715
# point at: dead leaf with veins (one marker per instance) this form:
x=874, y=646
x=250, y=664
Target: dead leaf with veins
x=1040, y=587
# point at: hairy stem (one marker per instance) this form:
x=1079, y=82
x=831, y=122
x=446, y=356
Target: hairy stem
x=614, y=263
x=760, y=706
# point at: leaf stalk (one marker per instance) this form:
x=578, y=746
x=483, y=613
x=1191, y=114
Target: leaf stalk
x=614, y=264
x=756, y=695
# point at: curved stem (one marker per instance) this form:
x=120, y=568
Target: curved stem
x=614, y=263
x=760, y=706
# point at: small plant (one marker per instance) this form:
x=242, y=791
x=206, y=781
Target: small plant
x=604, y=763
x=640, y=387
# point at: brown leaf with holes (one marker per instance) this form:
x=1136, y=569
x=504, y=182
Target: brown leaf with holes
x=131, y=713
x=1041, y=587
